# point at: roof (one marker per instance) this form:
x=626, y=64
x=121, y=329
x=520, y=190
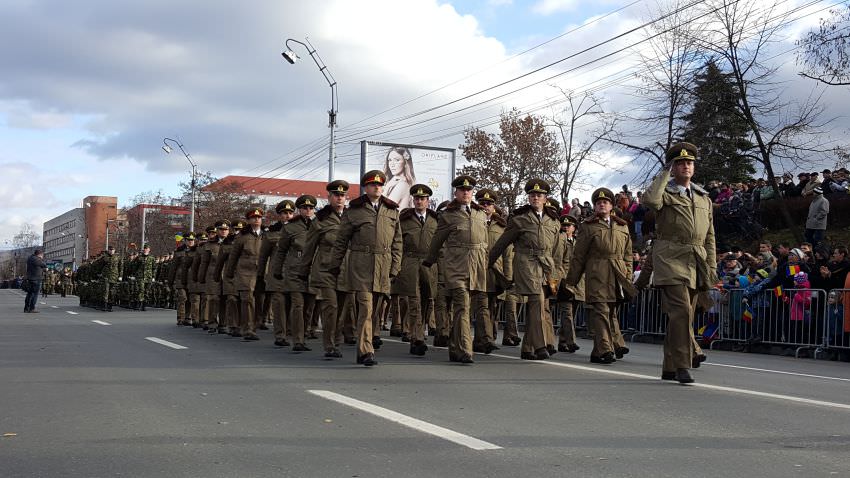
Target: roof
x=278, y=186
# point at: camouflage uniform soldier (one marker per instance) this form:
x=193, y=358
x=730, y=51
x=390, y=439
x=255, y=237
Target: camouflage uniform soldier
x=144, y=276
x=109, y=276
x=179, y=277
x=683, y=255
x=462, y=227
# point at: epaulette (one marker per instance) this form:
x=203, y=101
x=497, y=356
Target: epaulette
x=389, y=202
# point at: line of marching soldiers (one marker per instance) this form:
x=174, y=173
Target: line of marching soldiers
x=359, y=263
x=134, y=281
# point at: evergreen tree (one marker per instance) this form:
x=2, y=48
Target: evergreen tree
x=715, y=126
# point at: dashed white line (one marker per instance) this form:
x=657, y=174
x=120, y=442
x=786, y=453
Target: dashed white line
x=54, y=306
x=43, y=303
x=166, y=343
x=777, y=371
x=410, y=422
x=71, y=312
x=101, y=322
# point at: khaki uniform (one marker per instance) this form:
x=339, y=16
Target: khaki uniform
x=486, y=330
x=534, y=238
x=462, y=235
x=683, y=258
x=368, y=249
x=232, y=312
x=315, y=263
x=415, y=283
x=278, y=302
x=194, y=286
x=286, y=262
x=178, y=280
x=211, y=281
x=243, y=266
x=603, y=254
x=569, y=297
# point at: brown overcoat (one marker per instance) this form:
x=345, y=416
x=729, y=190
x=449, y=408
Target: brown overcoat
x=603, y=254
x=244, y=260
x=534, y=239
x=462, y=236
x=414, y=278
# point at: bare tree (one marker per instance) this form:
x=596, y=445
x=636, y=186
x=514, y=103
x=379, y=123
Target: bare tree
x=824, y=52
x=26, y=237
x=216, y=200
x=522, y=150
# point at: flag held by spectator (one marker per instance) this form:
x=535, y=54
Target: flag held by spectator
x=777, y=291
x=747, y=315
x=708, y=331
x=793, y=270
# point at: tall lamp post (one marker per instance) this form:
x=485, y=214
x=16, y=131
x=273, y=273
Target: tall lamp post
x=167, y=148
x=291, y=57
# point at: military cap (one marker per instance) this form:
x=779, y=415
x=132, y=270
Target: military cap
x=681, y=151
x=222, y=224
x=305, y=201
x=567, y=219
x=553, y=203
x=486, y=194
x=190, y=236
x=146, y=245
x=602, y=193
x=210, y=229
x=285, y=205
x=338, y=187
x=131, y=245
x=203, y=236
x=421, y=191
x=237, y=224
x=255, y=212
x=373, y=177
x=464, y=182
x=536, y=185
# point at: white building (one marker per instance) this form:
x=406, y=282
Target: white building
x=65, y=238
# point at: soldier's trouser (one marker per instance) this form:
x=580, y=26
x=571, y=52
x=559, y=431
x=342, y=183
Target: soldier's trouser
x=211, y=309
x=678, y=302
x=349, y=317
x=548, y=324
x=484, y=333
x=510, y=308
x=535, y=337
x=367, y=306
x=442, y=312
x=328, y=301
x=260, y=309
x=195, y=307
x=460, y=340
x=182, y=301
x=603, y=325
x=108, y=292
x=299, y=303
x=379, y=315
x=398, y=311
x=413, y=324
x=311, y=317
x=232, y=311
x=248, y=320
x=567, y=331
x=278, y=307
x=429, y=315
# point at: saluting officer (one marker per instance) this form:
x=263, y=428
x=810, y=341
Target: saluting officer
x=330, y=294
x=243, y=266
x=533, y=231
x=502, y=270
x=415, y=284
x=369, y=248
x=603, y=254
x=683, y=255
x=278, y=303
x=287, y=259
x=462, y=235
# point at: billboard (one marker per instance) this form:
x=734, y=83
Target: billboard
x=406, y=165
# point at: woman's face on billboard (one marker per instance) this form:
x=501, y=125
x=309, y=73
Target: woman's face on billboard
x=395, y=162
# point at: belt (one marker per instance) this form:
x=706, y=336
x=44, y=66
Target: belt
x=681, y=240
x=368, y=249
x=418, y=255
x=530, y=252
x=466, y=245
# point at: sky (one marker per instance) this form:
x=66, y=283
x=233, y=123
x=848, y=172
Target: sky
x=90, y=88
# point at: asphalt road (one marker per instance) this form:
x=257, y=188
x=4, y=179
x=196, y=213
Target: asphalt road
x=84, y=399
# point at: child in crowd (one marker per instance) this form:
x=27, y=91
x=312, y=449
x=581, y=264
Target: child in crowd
x=834, y=333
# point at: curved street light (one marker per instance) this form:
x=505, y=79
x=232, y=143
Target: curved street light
x=291, y=57
x=167, y=148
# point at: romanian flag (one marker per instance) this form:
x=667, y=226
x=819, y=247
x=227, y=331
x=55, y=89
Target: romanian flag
x=708, y=331
x=748, y=315
x=777, y=291
x=793, y=270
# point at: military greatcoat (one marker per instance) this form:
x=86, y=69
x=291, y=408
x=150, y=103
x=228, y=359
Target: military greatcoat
x=462, y=235
x=414, y=278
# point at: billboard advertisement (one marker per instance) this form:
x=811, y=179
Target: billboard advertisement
x=406, y=165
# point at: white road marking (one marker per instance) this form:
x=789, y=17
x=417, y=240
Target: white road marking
x=54, y=306
x=71, y=312
x=43, y=303
x=407, y=421
x=777, y=371
x=741, y=391
x=101, y=322
x=166, y=343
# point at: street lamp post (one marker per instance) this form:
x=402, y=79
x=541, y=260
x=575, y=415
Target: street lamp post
x=291, y=57
x=167, y=148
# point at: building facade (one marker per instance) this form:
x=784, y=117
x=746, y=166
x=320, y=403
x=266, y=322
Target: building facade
x=64, y=238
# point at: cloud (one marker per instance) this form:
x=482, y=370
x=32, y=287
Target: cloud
x=548, y=7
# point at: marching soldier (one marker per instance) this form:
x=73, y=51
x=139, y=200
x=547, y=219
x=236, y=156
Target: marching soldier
x=486, y=328
x=243, y=266
x=603, y=253
x=683, y=255
x=443, y=299
x=286, y=264
x=110, y=276
x=210, y=277
x=569, y=297
x=278, y=303
x=144, y=276
x=533, y=231
x=415, y=284
x=194, y=287
x=462, y=227
x=179, y=277
x=369, y=248
x=330, y=292
x=232, y=310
